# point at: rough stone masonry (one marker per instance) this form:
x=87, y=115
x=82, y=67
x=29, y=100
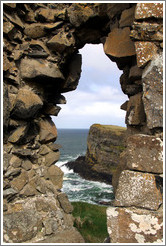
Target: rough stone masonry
x=41, y=61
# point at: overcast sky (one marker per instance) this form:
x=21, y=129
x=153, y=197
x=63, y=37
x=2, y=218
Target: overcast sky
x=98, y=96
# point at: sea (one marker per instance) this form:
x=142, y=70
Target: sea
x=74, y=144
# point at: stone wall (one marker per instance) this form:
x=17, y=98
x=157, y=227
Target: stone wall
x=41, y=61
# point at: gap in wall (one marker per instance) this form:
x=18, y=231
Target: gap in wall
x=98, y=96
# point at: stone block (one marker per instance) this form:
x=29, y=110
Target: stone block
x=55, y=175
x=51, y=109
x=64, y=202
x=145, y=153
x=18, y=135
x=51, y=158
x=61, y=41
x=135, y=110
x=20, y=181
x=48, y=131
x=27, y=164
x=134, y=225
x=127, y=17
x=145, y=51
x=79, y=14
x=149, y=10
x=31, y=68
x=146, y=31
x=135, y=73
x=152, y=79
x=118, y=43
x=138, y=189
x=27, y=104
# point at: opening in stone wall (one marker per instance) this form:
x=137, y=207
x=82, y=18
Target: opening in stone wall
x=96, y=100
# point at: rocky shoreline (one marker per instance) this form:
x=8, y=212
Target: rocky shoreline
x=81, y=167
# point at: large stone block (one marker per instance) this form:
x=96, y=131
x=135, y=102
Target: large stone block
x=31, y=68
x=51, y=158
x=48, y=131
x=145, y=153
x=152, y=78
x=64, y=202
x=149, y=10
x=145, y=51
x=61, y=41
x=118, y=43
x=135, y=110
x=127, y=17
x=55, y=175
x=134, y=225
x=27, y=104
x=138, y=189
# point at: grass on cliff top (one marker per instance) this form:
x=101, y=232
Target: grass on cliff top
x=110, y=127
x=91, y=222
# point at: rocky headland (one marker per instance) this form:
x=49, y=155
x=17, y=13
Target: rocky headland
x=105, y=143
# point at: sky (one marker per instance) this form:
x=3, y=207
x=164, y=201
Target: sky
x=98, y=96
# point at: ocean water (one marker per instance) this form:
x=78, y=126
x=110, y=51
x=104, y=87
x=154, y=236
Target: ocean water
x=74, y=144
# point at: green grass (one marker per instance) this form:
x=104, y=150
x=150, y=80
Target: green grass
x=90, y=220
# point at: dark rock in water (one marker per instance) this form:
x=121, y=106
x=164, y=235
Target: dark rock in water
x=83, y=169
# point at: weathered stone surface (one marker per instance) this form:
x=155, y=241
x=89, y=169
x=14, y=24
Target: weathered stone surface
x=7, y=27
x=145, y=52
x=50, y=226
x=8, y=193
x=61, y=41
x=31, y=68
x=6, y=112
x=15, y=19
x=149, y=10
x=51, y=158
x=135, y=110
x=48, y=131
x=119, y=44
x=18, y=135
x=135, y=73
x=27, y=104
x=138, y=189
x=147, y=31
x=55, y=174
x=12, y=172
x=35, y=30
x=153, y=92
x=65, y=236
x=134, y=225
x=44, y=149
x=74, y=74
x=51, y=109
x=79, y=14
x=64, y=202
x=49, y=15
x=27, y=165
x=145, y=153
x=22, y=226
x=28, y=190
x=20, y=181
x=113, y=9
x=15, y=161
x=127, y=17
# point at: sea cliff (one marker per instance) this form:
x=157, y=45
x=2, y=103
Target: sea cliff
x=104, y=146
